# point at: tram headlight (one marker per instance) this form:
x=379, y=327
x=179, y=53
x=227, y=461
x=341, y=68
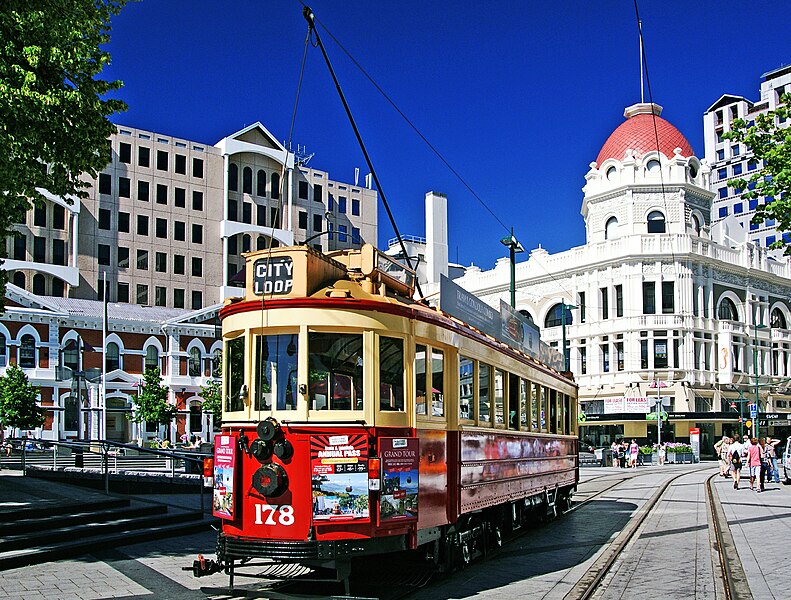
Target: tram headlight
x=284, y=450
x=261, y=450
x=270, y=480
x=268, y=429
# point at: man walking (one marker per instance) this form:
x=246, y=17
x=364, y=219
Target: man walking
x=754, y=462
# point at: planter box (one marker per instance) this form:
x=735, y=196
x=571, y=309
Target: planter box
x=680, y=457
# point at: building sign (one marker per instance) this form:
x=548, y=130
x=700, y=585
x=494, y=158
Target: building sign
x=339, y=474
x=400, y=462
x=273, y=276
x=223, y=498
x=624, y=404
x=456, y=301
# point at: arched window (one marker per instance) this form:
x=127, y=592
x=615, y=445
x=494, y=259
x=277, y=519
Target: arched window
x=247, y=180
x=58, y=287
x=196, y=415
x=260, y=188
x=113, y=361
x=260, y=243
x=246, y=241
x=527, y=315
x=39, y=284
x=778, y=319
x=216, y=363
x=696, y=224
x=275, y=187
x=611, y=173
x=656, y=222
x=611, y=229
x=653, y=167
x=555, y=317
x=27, y=352
x=727, y=310
x=233, y=177
x=19, y=279
x=71, y=355
x=194, y=362
x=3, y=351
x=152, y=357
x=71, y=414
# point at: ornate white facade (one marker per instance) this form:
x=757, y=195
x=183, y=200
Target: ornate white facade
x=655, y=296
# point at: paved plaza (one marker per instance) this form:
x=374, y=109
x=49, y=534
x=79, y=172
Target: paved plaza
x=671, y=553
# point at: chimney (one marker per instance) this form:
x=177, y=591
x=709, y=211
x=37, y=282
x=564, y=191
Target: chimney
x=436, y=236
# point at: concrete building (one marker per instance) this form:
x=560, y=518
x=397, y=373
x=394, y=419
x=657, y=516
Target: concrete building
x=729, y=160
x=653, y=304
x=167, y=220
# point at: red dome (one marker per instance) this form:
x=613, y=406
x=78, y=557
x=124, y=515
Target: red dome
x=637, y=133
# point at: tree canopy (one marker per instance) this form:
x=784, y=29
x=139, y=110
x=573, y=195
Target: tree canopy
x=770, y=142
x=18, y=408
x=151, y=403
x=53, y=110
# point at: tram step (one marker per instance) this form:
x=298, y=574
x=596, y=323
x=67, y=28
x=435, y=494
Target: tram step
x=120, y=523
x=54, y=509
x=90, y=541
x=78, y=515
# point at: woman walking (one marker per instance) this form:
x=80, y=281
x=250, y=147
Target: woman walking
x=722, y=449
x=736, y=449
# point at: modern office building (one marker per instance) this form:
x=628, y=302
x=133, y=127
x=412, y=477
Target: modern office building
x=655, y=305
x=730, y=160
x=167, y=220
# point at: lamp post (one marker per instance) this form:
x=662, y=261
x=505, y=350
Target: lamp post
x=755, y=372
x=563, y=307
x=513, y=246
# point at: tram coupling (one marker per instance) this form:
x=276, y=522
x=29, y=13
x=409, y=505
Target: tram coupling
x=204, y=566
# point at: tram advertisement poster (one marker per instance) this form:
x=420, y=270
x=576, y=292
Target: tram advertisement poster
x=339, y=475
x=400, y=463
x=223, y=498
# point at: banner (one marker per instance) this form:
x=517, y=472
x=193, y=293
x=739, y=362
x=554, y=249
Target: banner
x=339, y=474
x=400, y=462
x=223, y=497
x=626, y=404
x=636, y=405
x=456, y=301
x=614, y=405
x=517, y=331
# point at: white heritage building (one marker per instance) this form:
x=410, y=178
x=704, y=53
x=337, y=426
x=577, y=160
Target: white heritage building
x=657, y=300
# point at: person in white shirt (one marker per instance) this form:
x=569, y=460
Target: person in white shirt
x=736, y=449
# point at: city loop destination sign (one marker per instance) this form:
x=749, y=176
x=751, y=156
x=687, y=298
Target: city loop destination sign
x=273, y=276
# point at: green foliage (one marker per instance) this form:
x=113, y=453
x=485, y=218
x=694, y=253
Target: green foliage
x=151, y=403
x=18, y=406
x=212, y=399
x=53, y=115
x=771, y=144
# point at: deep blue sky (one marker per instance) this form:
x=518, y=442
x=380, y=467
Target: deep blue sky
x=518, y=96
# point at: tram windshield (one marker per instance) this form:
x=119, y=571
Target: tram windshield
x=336, y=371
x=276, y=372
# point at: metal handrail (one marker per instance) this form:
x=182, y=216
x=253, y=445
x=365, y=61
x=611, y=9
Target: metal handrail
x=172, y=455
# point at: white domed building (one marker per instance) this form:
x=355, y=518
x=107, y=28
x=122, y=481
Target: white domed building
x=658, y=302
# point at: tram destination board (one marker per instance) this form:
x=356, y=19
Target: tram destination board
x=273, y=276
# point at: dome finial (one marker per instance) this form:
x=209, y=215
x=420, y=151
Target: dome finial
x=642, y=108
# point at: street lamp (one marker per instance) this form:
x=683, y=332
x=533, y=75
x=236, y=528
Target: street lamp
x=563, y=307
x=513, y=246
x=755, y=373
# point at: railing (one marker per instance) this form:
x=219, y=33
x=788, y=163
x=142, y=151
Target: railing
x=106, y=453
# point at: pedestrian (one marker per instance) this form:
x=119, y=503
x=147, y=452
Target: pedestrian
x=634, y=450
x=622, y=454
x=721, y=448
x=614, y=453
x=661, y=453
x=736, y=448
x=766, y=467
x=754, y=463
x=771, y=454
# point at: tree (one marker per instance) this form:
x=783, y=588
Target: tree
x=770, y=143
x=151, y=403
x=212, y=399
x=18, y=408
x=53, y=114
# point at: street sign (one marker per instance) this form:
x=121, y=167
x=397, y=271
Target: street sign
x=753, y=410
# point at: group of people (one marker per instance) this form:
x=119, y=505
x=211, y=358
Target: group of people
x=626, y=455
x=759, y=455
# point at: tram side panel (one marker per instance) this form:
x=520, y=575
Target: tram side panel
x=434, y=501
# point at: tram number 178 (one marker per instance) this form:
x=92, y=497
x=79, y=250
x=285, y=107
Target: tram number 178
x=274, y=514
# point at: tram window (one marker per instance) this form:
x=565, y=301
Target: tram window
x=513, y=402
x=438, y=382
x=391, y=374
x=466, y=397
x=484, y=397
x=276, y=372
x=553, y=411
x=234, y=369
x=523, y=391
x=566, y=414
x=543, y=414
x=336, y=371
x=499, y=394
x=534, y=407
x=420, y=380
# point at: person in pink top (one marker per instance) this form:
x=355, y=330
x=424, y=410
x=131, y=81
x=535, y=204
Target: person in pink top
x=754, y=462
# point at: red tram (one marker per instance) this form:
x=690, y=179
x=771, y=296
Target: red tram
x=357, y=421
